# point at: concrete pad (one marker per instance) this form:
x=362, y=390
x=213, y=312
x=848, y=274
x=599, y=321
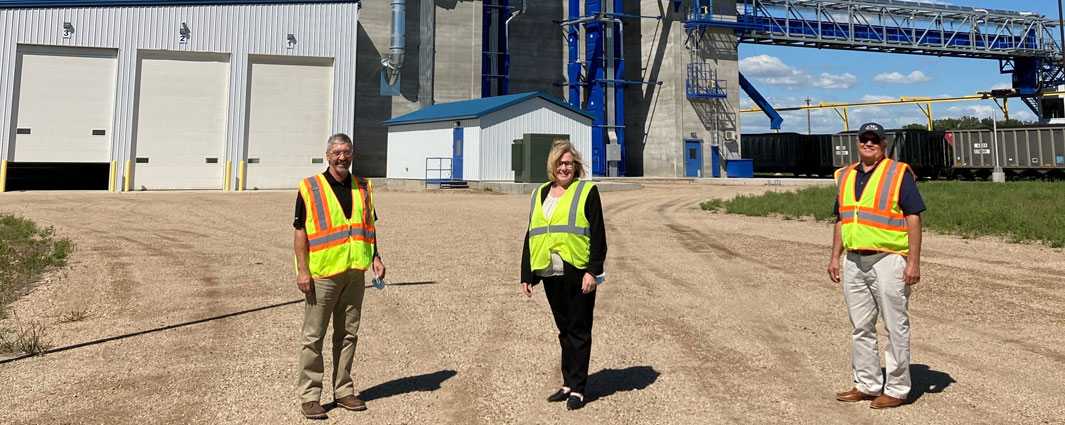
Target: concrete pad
x=509, y=188
x=763, y=181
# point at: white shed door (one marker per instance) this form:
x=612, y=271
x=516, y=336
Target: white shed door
x=65, y=108
x=181, y=123
x=289, y=120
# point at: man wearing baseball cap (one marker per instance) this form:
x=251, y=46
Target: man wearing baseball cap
x=879, y=226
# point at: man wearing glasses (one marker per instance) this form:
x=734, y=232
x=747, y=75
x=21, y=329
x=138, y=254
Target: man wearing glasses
x=335, y=244
x=879, y=226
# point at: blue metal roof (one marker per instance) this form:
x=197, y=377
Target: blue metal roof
x=476, y=108
x=17, y=4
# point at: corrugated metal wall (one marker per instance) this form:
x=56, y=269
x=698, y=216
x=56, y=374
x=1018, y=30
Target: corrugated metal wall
x=409, y=145
x=501, y=128
x=321, y=30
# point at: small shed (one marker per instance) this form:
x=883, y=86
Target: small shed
x=476, y=136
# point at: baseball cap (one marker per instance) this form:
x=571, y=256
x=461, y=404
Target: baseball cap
x=872, y=127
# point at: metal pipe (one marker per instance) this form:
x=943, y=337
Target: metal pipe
x=515, y=15
x=240, y=177
x=394, y=61
x=229, y=172
x=3, y=175
x=129, y=165
x=111, y=178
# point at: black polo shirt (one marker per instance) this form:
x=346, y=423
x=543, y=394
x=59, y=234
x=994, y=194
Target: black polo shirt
x=342, y=190
x=910, y=201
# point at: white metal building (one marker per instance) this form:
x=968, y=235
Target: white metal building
x=172, y=94
x=476, y=135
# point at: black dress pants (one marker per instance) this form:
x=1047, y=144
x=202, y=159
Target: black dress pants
x=573, y=317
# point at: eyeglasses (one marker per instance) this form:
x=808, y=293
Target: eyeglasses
x=872, y=140
x=566, y=164
x=341, y=153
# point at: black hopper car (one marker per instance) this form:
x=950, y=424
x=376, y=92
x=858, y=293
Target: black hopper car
x=1024, y=153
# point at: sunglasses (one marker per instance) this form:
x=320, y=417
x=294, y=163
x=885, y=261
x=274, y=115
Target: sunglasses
x=872, y=140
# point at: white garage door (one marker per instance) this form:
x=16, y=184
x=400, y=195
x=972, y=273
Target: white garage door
x=65, y=106
x=289, y=120
x=181, y=122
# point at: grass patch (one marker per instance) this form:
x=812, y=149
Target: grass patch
x=1018, y=211
x=712, y=205
x=28, y=338
x=74, y=315
x=26, y=251
x=813, y=202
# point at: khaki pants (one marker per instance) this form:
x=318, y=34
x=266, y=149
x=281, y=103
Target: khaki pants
x=340, y=298
x=872, y=285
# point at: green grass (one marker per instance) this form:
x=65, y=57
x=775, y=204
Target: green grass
x=26, y=251
x=1021, y=212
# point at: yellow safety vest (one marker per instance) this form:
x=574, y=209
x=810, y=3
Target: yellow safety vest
x=338, y=244
x=567, y=230
x=874, y=222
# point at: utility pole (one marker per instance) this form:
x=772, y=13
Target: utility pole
x=808, y=128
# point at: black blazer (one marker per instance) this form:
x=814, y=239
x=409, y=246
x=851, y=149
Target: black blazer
x=593, y=211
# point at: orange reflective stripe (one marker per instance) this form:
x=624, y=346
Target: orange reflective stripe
x=323, y=185
x=877, y=225
x=843, y=182
x=309, y=204
x=886, y=163
x=896, y=185
x=328, y=245
x=364, y=197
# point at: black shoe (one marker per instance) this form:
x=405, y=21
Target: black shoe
x=558, y=396
x=574, y=403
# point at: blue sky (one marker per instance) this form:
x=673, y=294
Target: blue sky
x=787, y=75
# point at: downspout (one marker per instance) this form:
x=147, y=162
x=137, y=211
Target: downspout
x=512, y=17
x=394, y=61
x=505, y=48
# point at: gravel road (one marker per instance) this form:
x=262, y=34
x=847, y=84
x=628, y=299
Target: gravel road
x=704, y=318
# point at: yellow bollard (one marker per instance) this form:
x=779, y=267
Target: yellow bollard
x=3, y=175
x=229, y=166
x=129, y=164
x=111, y=179
x=240, y=177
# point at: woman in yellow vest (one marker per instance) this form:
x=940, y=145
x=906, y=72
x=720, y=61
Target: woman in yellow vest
x=565, y=248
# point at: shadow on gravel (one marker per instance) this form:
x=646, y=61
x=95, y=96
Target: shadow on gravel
x=606, y=382
x=410, y=384
x=150, y=331
x=925, y=380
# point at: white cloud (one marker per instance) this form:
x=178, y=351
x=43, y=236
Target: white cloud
x=765, y=66
x=1001, y=86
x=877, y=98
x=766, y=69
x=898, y=78
x=972, y=110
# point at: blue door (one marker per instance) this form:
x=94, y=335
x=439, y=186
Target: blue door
x=456, y=155
x=693, y=158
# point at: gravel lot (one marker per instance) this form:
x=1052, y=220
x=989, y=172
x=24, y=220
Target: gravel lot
x=704, y=318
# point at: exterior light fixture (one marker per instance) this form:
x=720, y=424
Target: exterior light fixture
x=183, y=33
x=68, y=29
x=291, y=41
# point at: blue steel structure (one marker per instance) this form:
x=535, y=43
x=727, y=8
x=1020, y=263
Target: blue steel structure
x=596, y=84
x=775, y=120
x=495, y=53
x=1024, y=43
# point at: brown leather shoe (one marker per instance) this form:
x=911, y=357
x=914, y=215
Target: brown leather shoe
x=886, y=402
x=853, y=395
x=351, y=402
x=313, y=410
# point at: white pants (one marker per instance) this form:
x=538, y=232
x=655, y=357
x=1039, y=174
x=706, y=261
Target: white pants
x=872, y=285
